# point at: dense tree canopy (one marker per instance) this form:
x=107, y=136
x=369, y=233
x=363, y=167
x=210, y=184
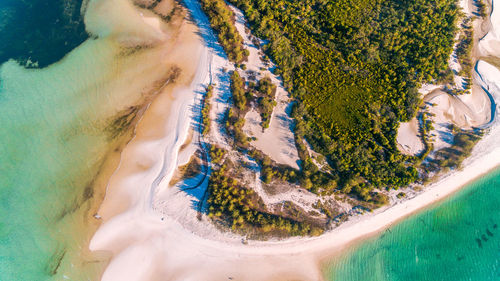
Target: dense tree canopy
x=354, y=67
x=230, y=202
x=222, y=20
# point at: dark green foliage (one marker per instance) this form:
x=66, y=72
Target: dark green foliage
x=424, y=130
x=205, y=112
x=217, y=155
x=266, y=92
x=481, y=8
x=354, y=67
x=222, y=20
x=463, y=143
x=235, y=118
x=379, y=199
x=464, y=49
x=229, y=202
x=238, y=90
x=270, y=170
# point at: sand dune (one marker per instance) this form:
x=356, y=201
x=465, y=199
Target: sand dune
x=277, y=141
x=408, y=138
x=490, y=43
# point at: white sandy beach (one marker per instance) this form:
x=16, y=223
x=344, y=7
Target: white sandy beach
x=152, y=232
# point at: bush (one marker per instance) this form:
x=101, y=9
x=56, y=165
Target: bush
x=222, y=20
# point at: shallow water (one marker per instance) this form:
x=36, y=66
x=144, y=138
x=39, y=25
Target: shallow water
x=54, y=136
x=58, y=124
x=50, y=151
x=458, y=239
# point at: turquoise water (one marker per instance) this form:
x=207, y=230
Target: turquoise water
x=48, y=155
x=458, y=239
x=49, y=150
x=57, y=125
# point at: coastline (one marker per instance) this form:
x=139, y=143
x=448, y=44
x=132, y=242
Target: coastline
x=160, y=245
x=437, y=193
x=150, y=73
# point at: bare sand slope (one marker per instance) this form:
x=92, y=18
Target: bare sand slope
x=465, y=111
x=490, y=44
x=277, y=141
x=408, y=138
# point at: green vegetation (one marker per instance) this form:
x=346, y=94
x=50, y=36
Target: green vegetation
x=425, y=128
x=266, y=92
x=236, y=115
x=463, y=143
x=222, y=20
x=217, y=155
x=464, y=49
x=354, y=67
x=230, y=203
x=270, y=170
x=240, y=95
x=205, y=111
x=481, y=8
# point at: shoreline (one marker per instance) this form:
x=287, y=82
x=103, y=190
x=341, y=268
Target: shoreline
x=160, y=237
x=432, y=186
x=421, y=208
x=84, y=111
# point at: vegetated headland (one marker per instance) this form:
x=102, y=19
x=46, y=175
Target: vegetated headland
x=352, y=73
x=317, y=119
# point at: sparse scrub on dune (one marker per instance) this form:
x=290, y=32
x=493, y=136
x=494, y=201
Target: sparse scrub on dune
x=266, y=91
x=239, y=208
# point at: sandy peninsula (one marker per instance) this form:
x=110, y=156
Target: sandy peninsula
x=151, y=231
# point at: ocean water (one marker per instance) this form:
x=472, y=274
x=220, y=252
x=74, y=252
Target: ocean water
x=39, y=33
x=458, y=239
x=51, y=147
x=59, y=119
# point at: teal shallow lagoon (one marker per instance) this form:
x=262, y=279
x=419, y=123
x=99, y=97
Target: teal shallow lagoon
x=458, y=239
x=53, y=141
x=59, y=124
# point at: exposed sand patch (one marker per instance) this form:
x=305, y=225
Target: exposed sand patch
x=277, y=141
x=164, y=7
x=465, y=111
x=149, y=133
x=490, y=43
x=408, y=138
